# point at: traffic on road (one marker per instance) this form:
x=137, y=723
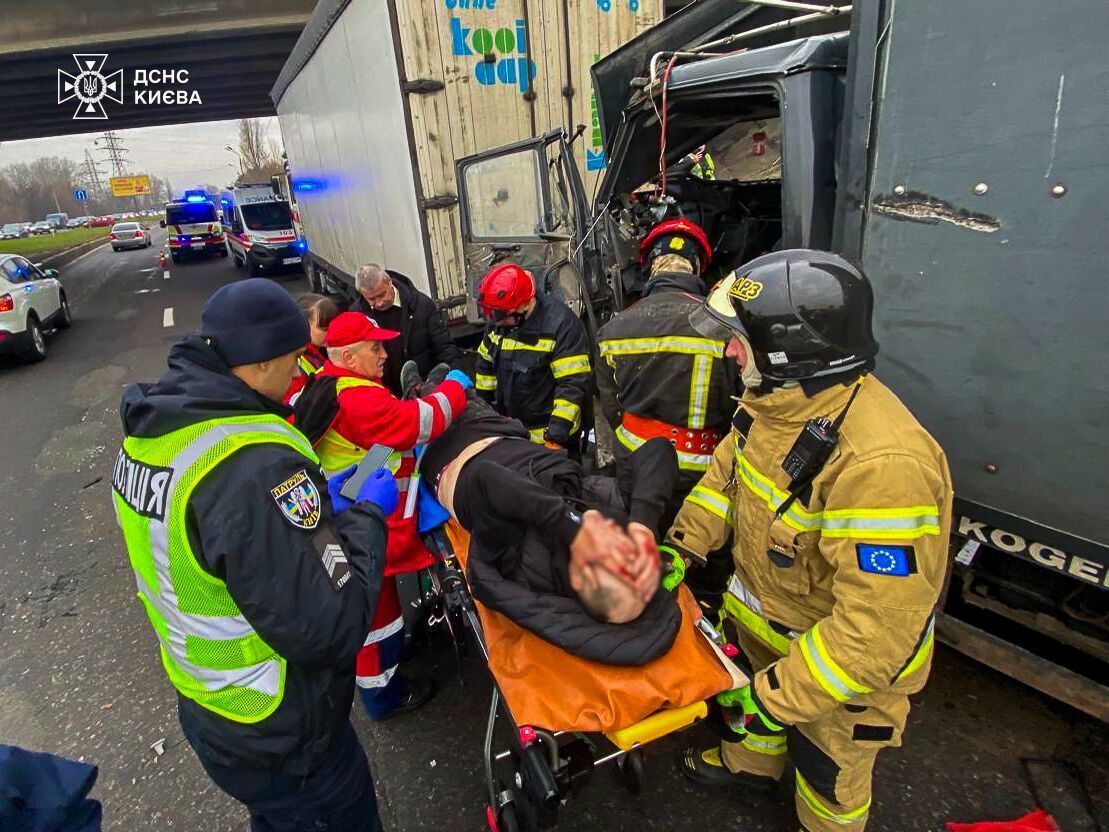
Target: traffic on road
x=636, y=417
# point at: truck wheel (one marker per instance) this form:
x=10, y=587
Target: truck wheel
x=36, y=341
x=315, y=284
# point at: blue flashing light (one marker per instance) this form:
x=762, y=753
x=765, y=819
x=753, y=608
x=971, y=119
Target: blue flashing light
x=183, y=239
x=303, y=185
x=302, y=246
x=196, y=198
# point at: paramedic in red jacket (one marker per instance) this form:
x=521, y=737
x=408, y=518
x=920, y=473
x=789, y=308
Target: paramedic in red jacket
x=368, y=415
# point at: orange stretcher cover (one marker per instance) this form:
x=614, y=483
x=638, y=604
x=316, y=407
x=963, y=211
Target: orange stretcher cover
x=547, y=687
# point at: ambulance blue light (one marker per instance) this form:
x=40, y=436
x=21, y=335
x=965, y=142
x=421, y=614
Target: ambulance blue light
x=194, y=198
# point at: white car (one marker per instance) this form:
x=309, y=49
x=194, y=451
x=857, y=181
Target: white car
x=32, y=300
x=129, y=235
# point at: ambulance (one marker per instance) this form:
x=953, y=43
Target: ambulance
x=193, y=226
x=259, y=227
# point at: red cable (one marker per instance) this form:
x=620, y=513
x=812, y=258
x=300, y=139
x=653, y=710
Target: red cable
x=662, y=138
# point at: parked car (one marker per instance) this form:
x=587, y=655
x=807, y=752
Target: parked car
x=13, y=231
x=32, y=300
x=42, y=227
x=129, y=235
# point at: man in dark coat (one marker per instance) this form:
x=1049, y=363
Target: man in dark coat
x=394, y=303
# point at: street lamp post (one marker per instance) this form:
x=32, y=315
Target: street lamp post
x=242, y=170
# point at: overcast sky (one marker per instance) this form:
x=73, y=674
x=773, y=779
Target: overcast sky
x=189, y=155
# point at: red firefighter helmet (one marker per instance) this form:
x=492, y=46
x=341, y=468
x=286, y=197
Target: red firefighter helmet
x=504, y=289
x=680, y=237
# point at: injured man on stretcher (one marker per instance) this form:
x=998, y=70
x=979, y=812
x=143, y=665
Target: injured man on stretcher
x=569, y=557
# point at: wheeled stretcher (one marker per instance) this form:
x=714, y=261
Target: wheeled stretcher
x=565, y=716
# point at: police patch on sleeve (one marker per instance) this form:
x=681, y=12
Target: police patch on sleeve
x=884, y=559
x=333, y=558
x=299, y=500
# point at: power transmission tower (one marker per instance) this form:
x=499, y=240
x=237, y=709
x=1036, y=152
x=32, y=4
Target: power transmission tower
x=113, y=147
x=92, y=175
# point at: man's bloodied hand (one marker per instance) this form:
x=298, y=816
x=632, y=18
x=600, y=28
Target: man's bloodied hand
x=613, y=572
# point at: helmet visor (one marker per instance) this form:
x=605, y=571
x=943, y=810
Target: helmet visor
x=716, y=317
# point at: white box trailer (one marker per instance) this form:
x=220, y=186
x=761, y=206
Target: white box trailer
x=379, y=98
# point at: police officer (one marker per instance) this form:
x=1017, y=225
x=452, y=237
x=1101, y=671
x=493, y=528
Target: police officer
x=533, y=363
x=259, y=579
x=658, y=376
x=841, y=504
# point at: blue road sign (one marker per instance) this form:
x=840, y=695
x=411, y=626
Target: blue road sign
x=81, y=195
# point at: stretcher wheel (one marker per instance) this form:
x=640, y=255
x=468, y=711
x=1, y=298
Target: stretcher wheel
x=631, y=771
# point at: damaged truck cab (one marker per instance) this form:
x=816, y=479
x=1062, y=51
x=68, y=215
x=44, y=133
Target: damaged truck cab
x=922, y=141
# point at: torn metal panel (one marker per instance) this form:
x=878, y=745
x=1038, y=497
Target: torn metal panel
x=917, y=207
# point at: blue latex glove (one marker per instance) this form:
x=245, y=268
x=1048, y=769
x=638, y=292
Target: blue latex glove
x=461, y=378
x=380, y=489
x=339, y=503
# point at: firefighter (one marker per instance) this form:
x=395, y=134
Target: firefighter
x=700, y=163
x=533, y=363
x=658, y=376
x=345, y=410
x=841, y=506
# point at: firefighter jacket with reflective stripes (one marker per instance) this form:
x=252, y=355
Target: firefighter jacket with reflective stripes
x=844, y=583
x=368, y=415
x=539, y=372
x=654, y=364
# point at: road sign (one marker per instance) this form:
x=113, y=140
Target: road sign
x=81, y=195
x=130, y=185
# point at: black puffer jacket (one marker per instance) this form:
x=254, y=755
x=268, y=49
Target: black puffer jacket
x=522, y=505
x=423, y=334
x=273, y=569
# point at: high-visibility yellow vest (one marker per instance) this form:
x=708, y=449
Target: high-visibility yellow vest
x=209, y=650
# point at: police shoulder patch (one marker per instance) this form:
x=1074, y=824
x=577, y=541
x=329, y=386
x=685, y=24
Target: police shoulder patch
x=886, y=559
x=299, y=500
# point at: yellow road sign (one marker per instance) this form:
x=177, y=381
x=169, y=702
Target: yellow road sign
x=130, y=185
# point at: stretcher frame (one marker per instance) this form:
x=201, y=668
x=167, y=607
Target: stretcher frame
x=544, y=767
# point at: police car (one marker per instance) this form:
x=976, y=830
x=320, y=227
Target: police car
x=32, y=300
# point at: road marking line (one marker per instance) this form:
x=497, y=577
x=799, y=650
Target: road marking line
x=145, y=291
x=144, y=271
x=165, y=275
x=167, y=316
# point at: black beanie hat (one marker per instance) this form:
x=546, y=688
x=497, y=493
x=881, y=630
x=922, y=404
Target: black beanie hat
x=253, y=320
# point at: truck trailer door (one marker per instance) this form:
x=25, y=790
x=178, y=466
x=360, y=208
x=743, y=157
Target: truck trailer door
x=524, y=203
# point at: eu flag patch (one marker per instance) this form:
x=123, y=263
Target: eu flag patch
x=899, y=561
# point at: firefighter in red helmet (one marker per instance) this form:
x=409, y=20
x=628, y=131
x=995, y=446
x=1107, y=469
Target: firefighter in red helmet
x=656, y=375
x=533, y=363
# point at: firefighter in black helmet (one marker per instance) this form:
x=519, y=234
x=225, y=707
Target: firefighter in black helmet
x=840, y=506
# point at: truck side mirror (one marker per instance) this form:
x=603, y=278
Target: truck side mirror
x=161, y=223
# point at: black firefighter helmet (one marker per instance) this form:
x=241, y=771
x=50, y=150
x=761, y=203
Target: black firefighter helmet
x=805, y=313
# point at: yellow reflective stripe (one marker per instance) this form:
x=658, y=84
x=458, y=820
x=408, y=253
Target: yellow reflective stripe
x=566, y=409
x=542, y=345
x=570, y=365
x=710, y=500
x=897, y=523
x=686, y=461
x=922, y=652
x=806, y=793
x=346, y=382
x=536, y=435
x=484, y=382
x=755, y=624
x=772, y=746
x=306, y=366
x=483, y=351
x=699, y=391
x=828, y=674
x=683, y=345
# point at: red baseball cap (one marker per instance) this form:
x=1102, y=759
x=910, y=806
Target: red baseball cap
x=354, y=327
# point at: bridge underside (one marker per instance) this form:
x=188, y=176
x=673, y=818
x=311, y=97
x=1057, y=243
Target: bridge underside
x=232, y=57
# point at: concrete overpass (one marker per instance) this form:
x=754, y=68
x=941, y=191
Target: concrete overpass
x=232, y=50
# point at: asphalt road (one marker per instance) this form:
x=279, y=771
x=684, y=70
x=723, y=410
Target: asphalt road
x=79, y=673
